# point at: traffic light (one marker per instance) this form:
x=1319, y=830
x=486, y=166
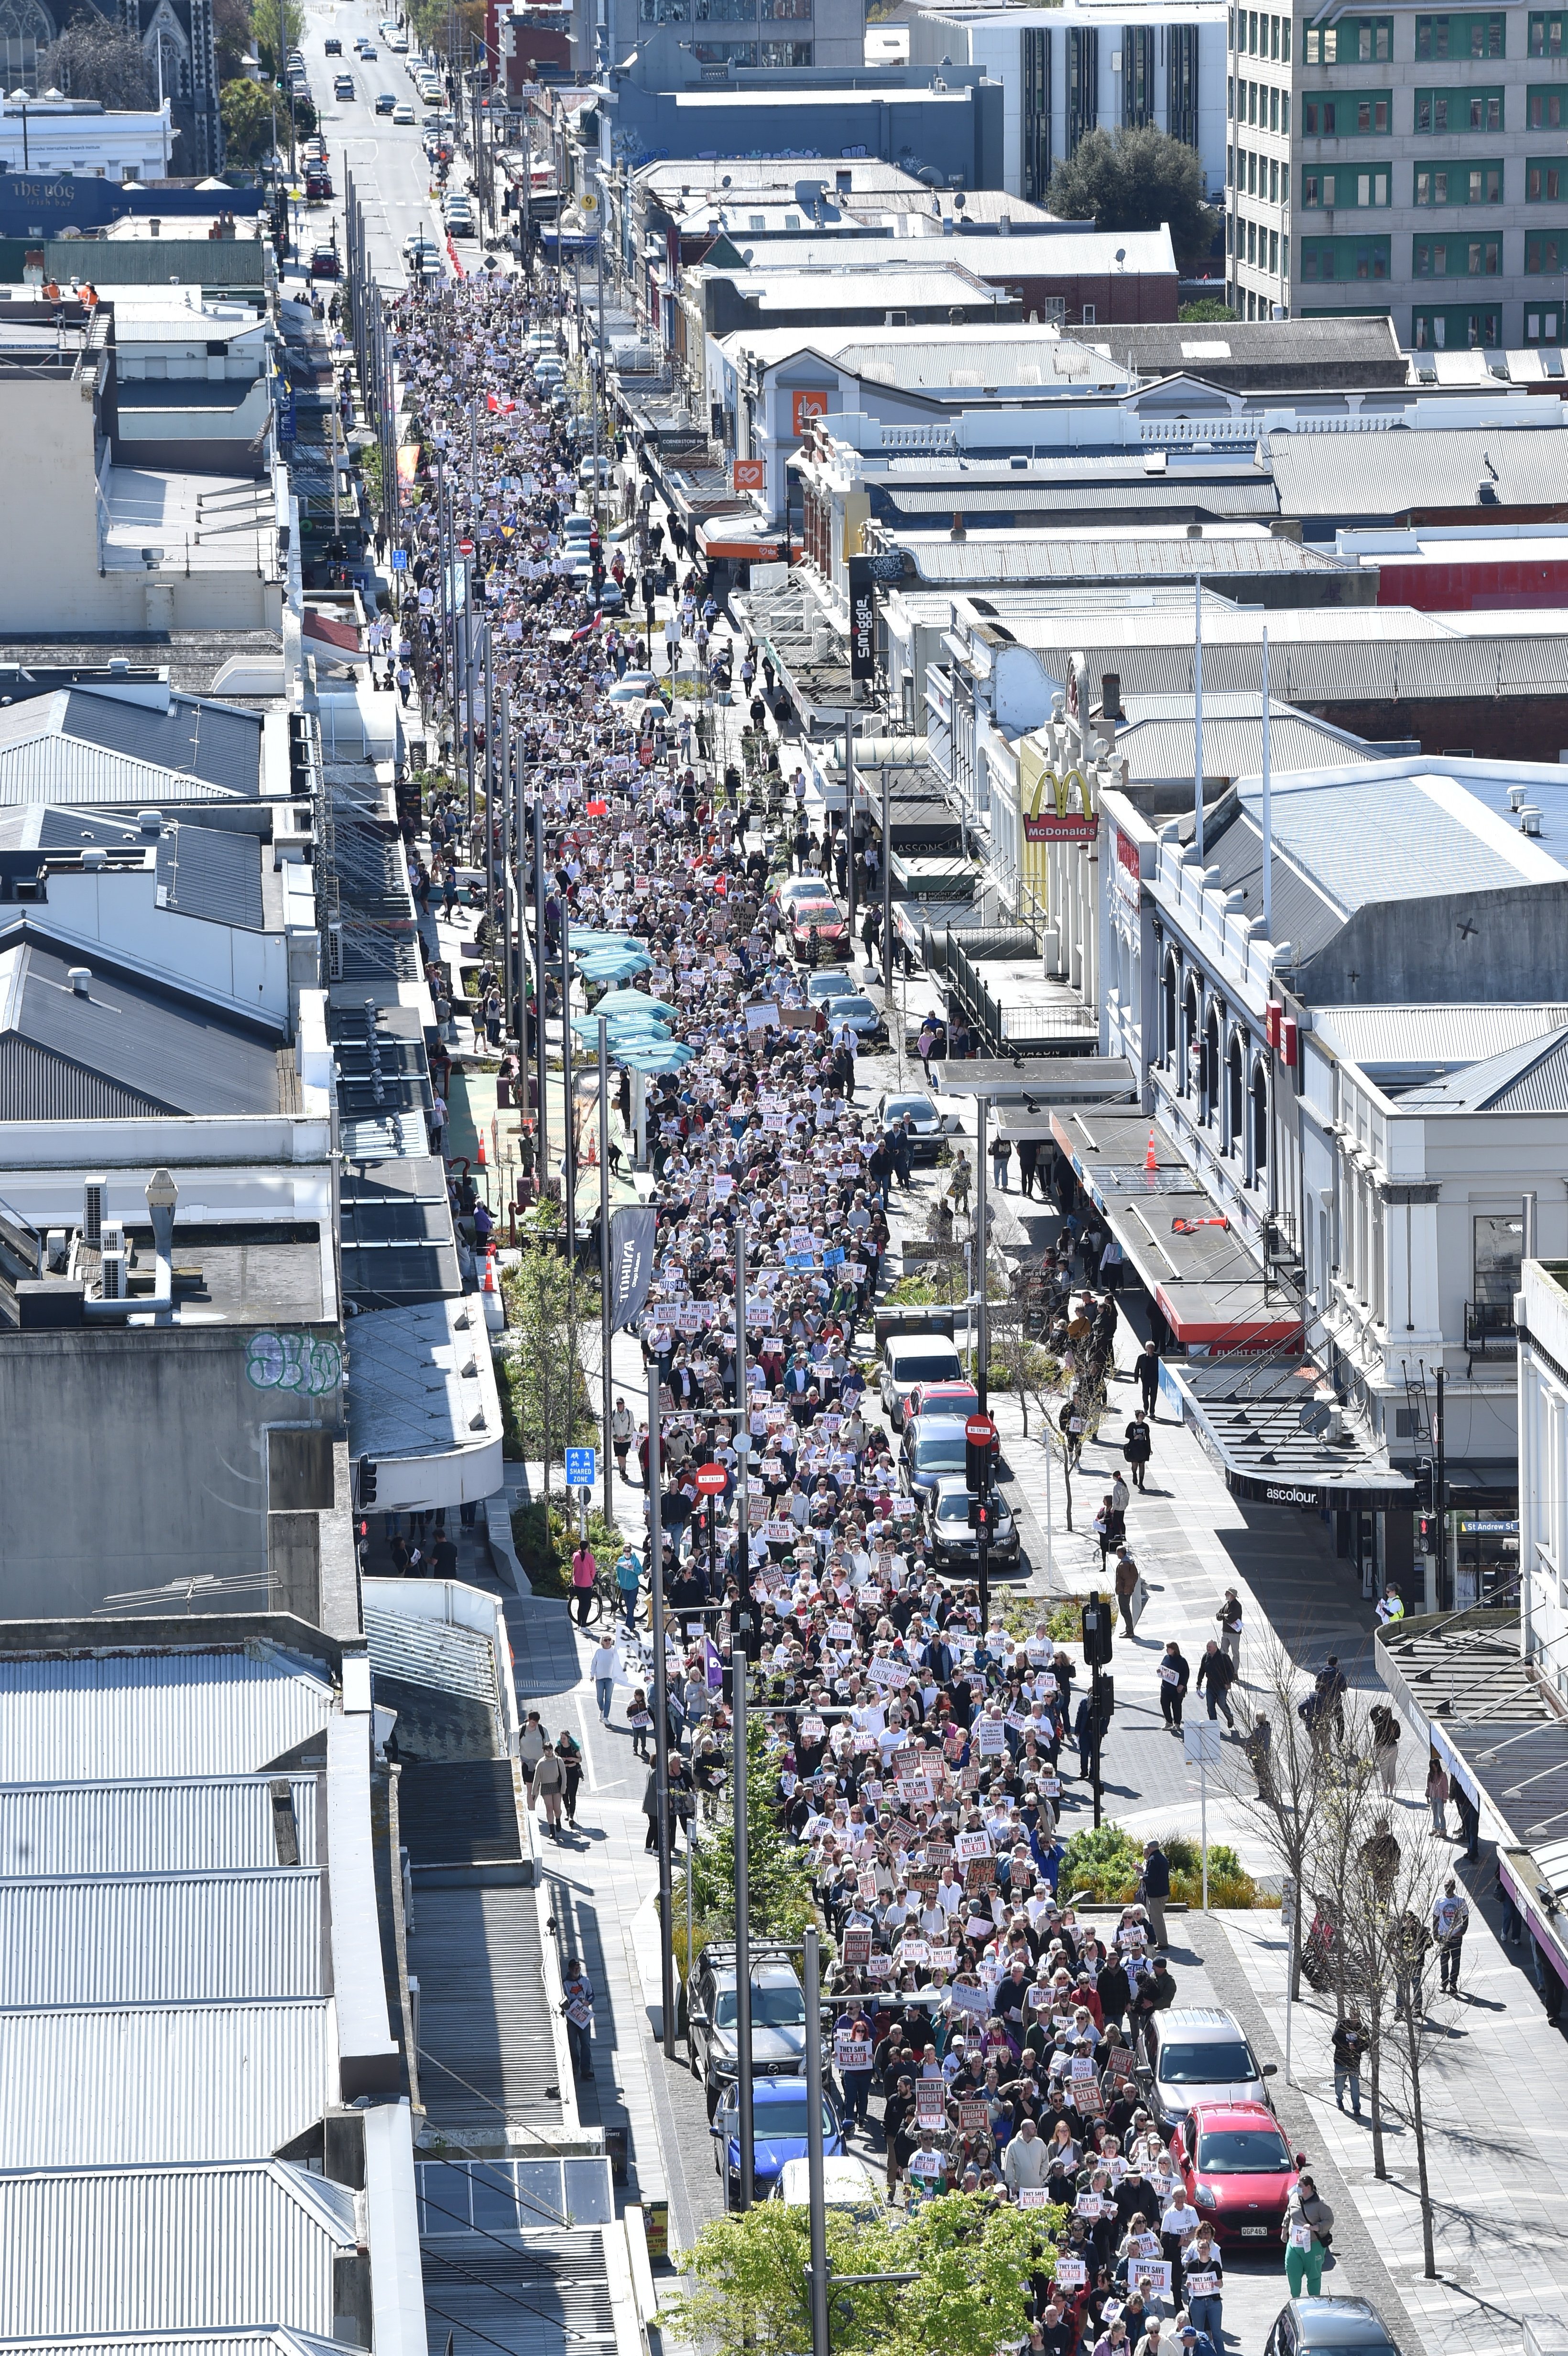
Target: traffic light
x=976, y=1465
x=1427, y=1531
x=366, y=1481
x=1097, y=1632
x=1426, y=1486
x=983, y=1513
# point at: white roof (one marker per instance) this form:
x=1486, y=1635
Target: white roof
x=131, y=2085
x=423, y=1385
x=214, y=1710
x=214, y=1822
x=211, y=523
x=172, y=2249
x=1037, y=253
x=143, y=1939
x=1447, y=1037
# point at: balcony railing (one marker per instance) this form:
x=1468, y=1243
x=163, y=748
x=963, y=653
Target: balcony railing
x=1490, y=1329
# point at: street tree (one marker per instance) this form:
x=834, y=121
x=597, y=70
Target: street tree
x=549, y=1318
x=95, y=57
x=778, y=1871
x=1136, y=178
x=248, y=119
x=1294, y=1769
x=972, y=2265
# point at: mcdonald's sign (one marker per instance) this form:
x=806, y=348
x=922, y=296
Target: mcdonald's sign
x=1052, y=819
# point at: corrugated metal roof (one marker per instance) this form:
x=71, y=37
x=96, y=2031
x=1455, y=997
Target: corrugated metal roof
x=1528, y=1078
x=220, y=1823
x=1302, y=913
x=190, y=1938
x=58, y=769
x=1397, y=838
x=1164, y=747
x=217, y=1712
x=1441, y=1038
x=155, y=2084
x=225, y=2343
x=548, y=2295
x=1385, y=474
x=38, y=1086
x=1131, y=556
x=1026, y=501
x=450, y=1658
x=163, y=1053
x=172, y=2249
x=208, y=871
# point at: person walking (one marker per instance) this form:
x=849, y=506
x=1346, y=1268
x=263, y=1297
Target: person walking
x=584, y=1576
x=1437, y=1797
x=1305, y=2231
x=1384, y=1724
x=1349, y=2044
x=605, y=1669
x=1450, y=1921
x=1147, y=1368
x=629, y=1581
x=568, y=1751
x=530, y=1750
x=1127, y=1577
x=1258, y=1744
x=1001, y=1157
x=577, y=2004
x=1175, y=1676
x=623, y=1431
x=548, y=1788
x=1154, y=1887
x=1138, y=1446
x=1203, y=2279
x=1215, y=1672
x=1178, y=2225
x=1229, y=1615
x=1110, y=1529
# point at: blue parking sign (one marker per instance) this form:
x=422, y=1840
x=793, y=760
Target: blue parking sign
x=399, y=559
x=581, y=1467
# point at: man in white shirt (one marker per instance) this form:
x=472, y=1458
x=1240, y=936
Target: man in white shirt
x=1027, y=2158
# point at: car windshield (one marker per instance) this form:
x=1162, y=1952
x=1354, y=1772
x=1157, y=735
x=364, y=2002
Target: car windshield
x=850, y=1007
x=772, y=2007
x=1206, y=2066
x=921, y=1107
x=775, y=2121
x=954, y=1508
x=1243, y=2151
x=942, y=1454
x=935, y=1367
x=811, y=912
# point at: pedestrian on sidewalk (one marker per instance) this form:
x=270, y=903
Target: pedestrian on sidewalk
x=1147, y=1368
x=549, y=1787
x=1384, y=1725
x=1110, y=1529
x=1308, y=2225
x=1002, y=1156
x=623, y=1431
x=1450, y=1921
x=584, y=1576
x=1175, y=1676
x=1138, y=1446
x=577, y=2004
x=1349, y=2044
x=1259, y=1747
x=628, y=1582
x=530, y=1750
x=1153, y=1887
x=1215, y=1672
x=1437, y=1797
x=640, y=1719
x=568, y=1751
x=605, y=1669
x=1128, y=1577
x=1229, y=1615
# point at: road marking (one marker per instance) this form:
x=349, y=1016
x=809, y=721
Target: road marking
x=588, y=1776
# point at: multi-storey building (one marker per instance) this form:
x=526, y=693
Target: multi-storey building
x=1410, y=162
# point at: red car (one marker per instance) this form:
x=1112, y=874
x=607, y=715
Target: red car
x=824, y=918
x=944, y=1398
x=1238, y=2168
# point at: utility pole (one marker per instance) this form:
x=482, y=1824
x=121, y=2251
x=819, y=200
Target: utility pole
x=1098, y=1637
x=888, y=915
x=849, y=828
x=740, y=1673
x=542, y=1125
x=1440, y=1487
x=604, y=1252
x=504, y=798
x=489, y=780
x=569, y=1143
x=815, y=2185
x=661, y=1712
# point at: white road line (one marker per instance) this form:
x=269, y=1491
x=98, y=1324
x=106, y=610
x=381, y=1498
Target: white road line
x=588, y=1774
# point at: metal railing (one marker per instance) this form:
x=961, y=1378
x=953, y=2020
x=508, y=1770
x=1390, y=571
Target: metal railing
x=1490, y=1329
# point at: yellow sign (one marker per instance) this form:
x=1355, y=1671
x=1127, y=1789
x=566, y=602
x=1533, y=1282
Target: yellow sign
x=1054, y=807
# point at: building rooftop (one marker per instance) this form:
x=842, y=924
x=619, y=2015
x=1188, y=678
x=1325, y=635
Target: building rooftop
x=96, y=744
x=210, y=523
x=973, y=357
x=224, y=1708
x=1530, y=1078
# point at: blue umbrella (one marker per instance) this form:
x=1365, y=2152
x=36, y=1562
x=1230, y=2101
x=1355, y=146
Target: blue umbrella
x=668, y=1056
x=627, y=1028
x=612, y=965
x=581, y=936
x=637, y=1001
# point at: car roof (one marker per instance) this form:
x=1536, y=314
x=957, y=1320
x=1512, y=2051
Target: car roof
x=1325, y=2322
x=921, y=1342
x=939, y=1427
x=776, y=2090
x=1199, y=2020
x=1236, y=2114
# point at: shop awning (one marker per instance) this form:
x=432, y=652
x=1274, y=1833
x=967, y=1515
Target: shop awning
x=422, y=1404
x=1279, y=1441
x=1208, y=1288
x=1031, y=1080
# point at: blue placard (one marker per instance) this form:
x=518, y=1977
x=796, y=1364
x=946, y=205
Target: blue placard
x=835, y=1257
x=581, y=1467
x=399, y=559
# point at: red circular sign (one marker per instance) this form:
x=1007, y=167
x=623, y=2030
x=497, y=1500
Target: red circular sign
x=980, y=1429
x=710, y=1480
x=465, y=547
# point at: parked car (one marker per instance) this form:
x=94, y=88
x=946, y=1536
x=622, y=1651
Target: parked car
x=403, y=112
x=323, y=263
x=826, y=983
x=931, y=1449
x=778, y=2120
x=1237, y=2167
x=1202, y=2056
x=960, y=1398
x=800, y=887
x=930, y=1127
x=419, y=247
x=386, y=102
x=318, y=185
x=863, y=1016
x=778, y=2020
x=635, y=687
x=1330, y=2326
x=951, y=1539
x=911, y=1358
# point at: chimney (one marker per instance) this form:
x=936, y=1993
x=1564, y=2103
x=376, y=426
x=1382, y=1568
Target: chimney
x=1111, y=695
x=960, y=530
x=79, y=976
x=94, y=1194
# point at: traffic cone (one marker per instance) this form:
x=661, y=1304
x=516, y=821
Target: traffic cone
x=1151, y=1158
x=489, y=1285
x=480, y=1165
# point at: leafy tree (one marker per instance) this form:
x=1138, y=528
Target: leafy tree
x=539, y=1364
x=1135, y=179
x=231, y=36
x=247, y=111
x=271, y=20
x=94, y=58
x=972, y=2264
x=778, y=1871
x=1192, y=314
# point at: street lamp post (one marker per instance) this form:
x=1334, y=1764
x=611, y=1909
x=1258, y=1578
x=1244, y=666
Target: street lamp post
x=661, y=1714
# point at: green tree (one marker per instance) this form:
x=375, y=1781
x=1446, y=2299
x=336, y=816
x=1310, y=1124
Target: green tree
x=247, y=111
x=539, y=1361
x=275, y=21
x=972, y=2265
x=1192, y=314
x=778, y=1871
x=95, y=57
x=1135, y=179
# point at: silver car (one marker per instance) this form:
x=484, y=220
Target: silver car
x=911, y=1358
x=1202, y=2056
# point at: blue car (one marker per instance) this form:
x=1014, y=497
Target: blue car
x=778, y=2121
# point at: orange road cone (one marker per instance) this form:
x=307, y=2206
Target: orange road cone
x=489, y=1284
x=1151, y=1158
x=481, y=1161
